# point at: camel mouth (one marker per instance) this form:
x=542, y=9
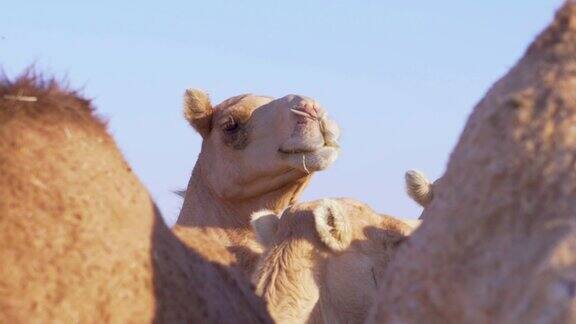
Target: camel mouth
x=308, y=160
x=296, y=151
x=313, y=153
x=331, y=145
x=305, y=143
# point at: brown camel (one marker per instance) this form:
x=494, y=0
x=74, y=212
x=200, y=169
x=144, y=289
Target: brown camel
x=324, y=260
x=257, y=153
x=497, y=243
x=82, y=242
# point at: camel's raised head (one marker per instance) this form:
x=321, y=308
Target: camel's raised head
x=343, y=244
x=252, y=144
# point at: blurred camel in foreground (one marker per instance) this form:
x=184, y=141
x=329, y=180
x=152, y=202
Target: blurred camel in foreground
x=82, y=242
x=497, y=242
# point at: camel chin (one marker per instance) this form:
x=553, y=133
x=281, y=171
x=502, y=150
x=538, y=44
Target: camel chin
x=311, y=161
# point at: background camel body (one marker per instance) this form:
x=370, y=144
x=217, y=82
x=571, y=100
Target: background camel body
x=82, y=242
x=257, y=153
x=324, y=260
x=497, y=241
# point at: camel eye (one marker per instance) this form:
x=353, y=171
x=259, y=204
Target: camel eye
x=230, y=125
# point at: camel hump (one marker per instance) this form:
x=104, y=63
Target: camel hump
x=418, y=187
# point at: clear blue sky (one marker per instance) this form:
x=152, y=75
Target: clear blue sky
x=400, y=77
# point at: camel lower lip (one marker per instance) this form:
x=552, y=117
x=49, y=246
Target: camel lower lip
x=305, y=151
x=295, y=151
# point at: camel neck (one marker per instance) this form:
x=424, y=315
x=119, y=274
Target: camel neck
x=290, y=288
x=203, y=208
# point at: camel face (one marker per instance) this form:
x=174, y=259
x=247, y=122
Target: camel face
x=337, y=249
x=254, y=144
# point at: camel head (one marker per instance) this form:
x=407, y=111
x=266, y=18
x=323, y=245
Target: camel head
x=255, y=144
x=323, y=259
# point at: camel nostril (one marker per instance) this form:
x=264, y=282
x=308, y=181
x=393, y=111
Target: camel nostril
x=301, y=112
x=312, y=109
x=308, y=109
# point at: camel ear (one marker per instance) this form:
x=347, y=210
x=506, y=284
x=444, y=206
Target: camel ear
x=333, y=225
x=418, y=187
x=198, y=111
x=265, y=224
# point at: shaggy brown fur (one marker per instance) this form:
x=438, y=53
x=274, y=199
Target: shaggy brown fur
x=498, y=241
x=82, y=242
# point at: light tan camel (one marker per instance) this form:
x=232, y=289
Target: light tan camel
x=82, y=242
x=257, y=153
x=498, y=242
x=323, y=260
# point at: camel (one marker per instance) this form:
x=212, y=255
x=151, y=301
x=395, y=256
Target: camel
x=82, y=241
x=257, y=152
x=323, y=260
x=497, y=243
